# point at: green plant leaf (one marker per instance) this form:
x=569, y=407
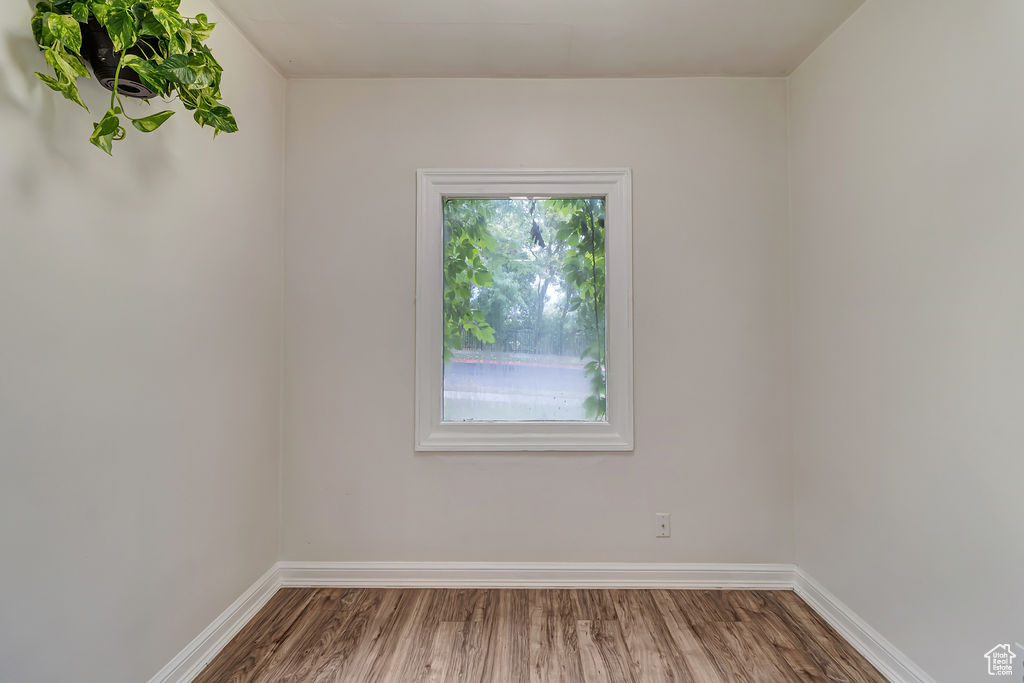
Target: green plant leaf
x=50, y=81
x=486, y=335
x=207, y=53
x=176, y=45
x=212, y=113
x=41, y=30
x=139, y=10
x=188, y=99
x=70, y=91
x=147, y=71
x=176, y=70
x=104, y=132
x=63, y=62
x=100, y=10
x=170, y=20
x=121, y=28
x=205, y=78
x=186, y=37
x=595, y=407
x=152, y=122
x=65, y=28
x=80, y=11
x=65, y=87
x=202, y=27
x=149, y=26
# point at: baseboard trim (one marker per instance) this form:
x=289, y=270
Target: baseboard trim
x=188, y=663
x=890, y=661
x=885, y=656
x=535, y=575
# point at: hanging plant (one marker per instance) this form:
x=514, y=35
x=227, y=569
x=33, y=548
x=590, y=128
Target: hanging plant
x=136, y=49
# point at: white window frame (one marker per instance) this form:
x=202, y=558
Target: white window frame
x=432, y=433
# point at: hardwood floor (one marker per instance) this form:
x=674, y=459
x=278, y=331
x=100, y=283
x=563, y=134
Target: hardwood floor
x=412, y=635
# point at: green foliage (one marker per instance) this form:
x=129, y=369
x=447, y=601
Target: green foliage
x=106, y=130
x=65, y=30
x=466, y=236
x=60, y=38
x=498, y=277
x=583, y=264
x=150, y=123
x=154, y=40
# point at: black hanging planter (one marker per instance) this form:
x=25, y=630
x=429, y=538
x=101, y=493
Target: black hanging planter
x=98, y=49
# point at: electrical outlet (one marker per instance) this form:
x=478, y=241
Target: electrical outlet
x=662, y=524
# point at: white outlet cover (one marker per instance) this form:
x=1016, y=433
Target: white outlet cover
x=663, y=525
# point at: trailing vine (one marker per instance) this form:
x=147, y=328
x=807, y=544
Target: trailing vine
x=152, y=39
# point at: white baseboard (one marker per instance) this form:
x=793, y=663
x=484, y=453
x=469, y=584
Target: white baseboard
x=188, y=663
x=536, y=575
x=892, y=663
x=885, y=657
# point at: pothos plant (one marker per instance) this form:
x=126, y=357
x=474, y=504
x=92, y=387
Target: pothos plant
x=165, y=50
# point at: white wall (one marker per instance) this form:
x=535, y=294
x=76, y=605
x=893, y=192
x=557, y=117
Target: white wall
x=711, y=324
x=907, y=177
x=140, y=301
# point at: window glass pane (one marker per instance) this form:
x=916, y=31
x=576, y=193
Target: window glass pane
x=524, y=309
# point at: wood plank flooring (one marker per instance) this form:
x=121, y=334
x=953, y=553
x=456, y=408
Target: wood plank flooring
x=509, y=636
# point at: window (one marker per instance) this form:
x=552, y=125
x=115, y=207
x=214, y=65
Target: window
x=523, y=310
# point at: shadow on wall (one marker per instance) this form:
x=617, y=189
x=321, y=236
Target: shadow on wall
x=21, y=95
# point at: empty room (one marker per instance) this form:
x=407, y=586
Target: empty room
x=508, y=341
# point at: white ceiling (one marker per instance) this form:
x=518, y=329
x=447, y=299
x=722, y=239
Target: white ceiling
x=537, y=38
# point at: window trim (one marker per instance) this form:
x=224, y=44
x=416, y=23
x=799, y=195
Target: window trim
x=431, y=433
